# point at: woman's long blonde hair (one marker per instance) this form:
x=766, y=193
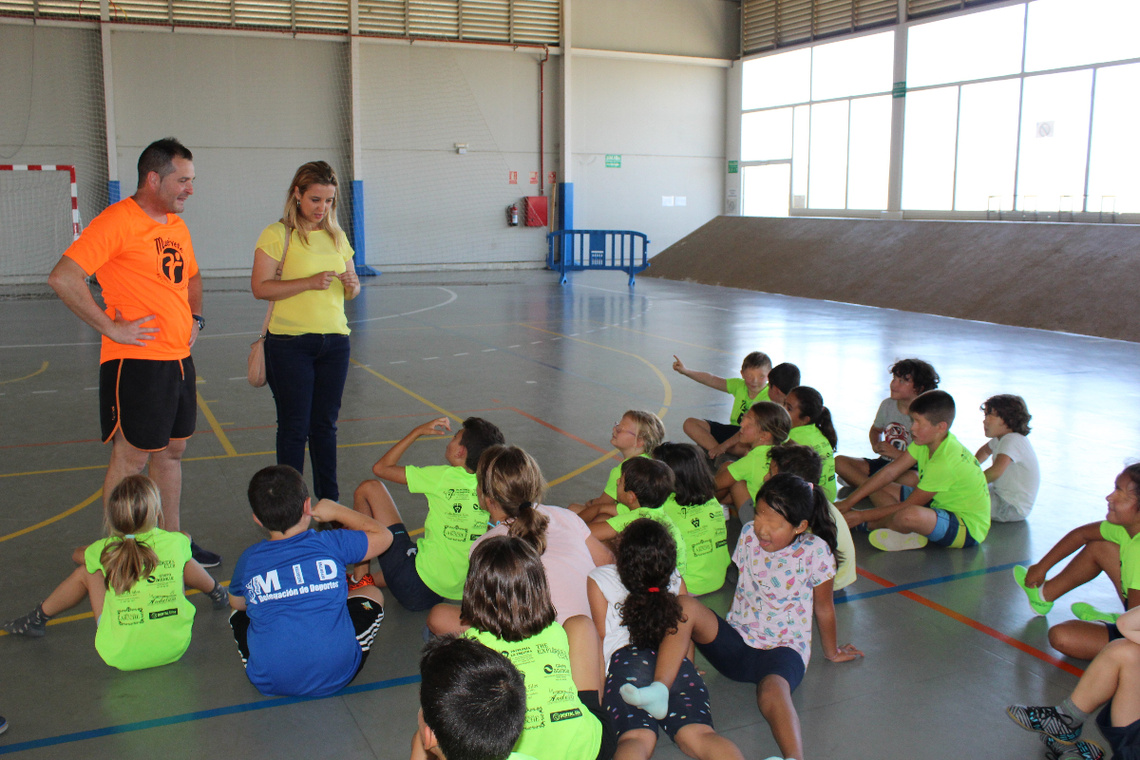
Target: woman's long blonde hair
x=312, y=173
x=135, y=507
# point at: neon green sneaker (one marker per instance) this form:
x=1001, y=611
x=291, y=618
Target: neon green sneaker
x=1085, y=611
x=887, y=540
x=1039, y=605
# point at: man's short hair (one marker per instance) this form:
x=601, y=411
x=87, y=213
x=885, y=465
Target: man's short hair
x=756, y=360
x=936, y=406
x=920, y=373
x=478, y=436
x=159, y=157
x=473, y=698
x=277, y=496
x=784, y=376
x=650, y=480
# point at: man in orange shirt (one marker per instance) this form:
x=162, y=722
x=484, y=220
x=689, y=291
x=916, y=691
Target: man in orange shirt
x=144, y=259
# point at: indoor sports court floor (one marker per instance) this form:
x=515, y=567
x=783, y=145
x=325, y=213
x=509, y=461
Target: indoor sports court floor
x=949, y=639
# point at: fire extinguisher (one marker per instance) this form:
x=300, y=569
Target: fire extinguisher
x=513, y=215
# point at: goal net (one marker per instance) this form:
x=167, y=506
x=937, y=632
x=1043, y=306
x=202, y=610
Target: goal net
x=39, y=218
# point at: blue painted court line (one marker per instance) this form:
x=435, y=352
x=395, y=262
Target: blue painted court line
x=143, y=725
x=928, y=582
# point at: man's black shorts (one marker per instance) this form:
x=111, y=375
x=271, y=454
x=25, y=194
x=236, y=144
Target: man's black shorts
x=152, y=402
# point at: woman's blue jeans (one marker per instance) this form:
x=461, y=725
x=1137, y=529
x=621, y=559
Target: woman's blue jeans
x=306, y=374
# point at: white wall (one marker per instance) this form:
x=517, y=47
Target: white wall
x=253, y=108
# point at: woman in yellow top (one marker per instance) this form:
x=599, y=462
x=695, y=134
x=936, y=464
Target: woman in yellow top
x=306, y=348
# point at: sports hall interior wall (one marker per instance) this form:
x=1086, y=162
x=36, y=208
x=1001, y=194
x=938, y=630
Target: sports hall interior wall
x=1078, y=278
x=254, y=107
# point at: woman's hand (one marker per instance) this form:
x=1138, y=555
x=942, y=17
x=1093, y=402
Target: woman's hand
x=321, y=280
x=350, y=282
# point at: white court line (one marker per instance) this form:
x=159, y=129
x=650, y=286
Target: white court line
x=452, y=293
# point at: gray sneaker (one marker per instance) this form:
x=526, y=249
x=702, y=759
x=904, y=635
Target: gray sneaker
x=219, y=596
x=1082, y=750
x=1045, y=720
x=33, y=625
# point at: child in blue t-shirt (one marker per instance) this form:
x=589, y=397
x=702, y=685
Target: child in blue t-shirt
x=299, y=630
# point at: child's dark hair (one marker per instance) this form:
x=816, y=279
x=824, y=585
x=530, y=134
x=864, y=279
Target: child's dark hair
x=811, y=406
x=797, y=459
x=506, y=593
x=692, y=479
x=473, y=698
x=647, y=479
x=277, y=496
x=646, y=559
x=936, y=406
x=135, y=506
x=478, y=434
x=796, y=500
x=1011, y=410
x=772, y=418
x=1132, y=471
x=920, y=373
x=756, y=360
x=511, y=478
x=784, y=376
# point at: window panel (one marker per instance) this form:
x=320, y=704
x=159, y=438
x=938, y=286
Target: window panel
x=801, y=142
x=987, y=146
x=1054, y=141
x=1115, y=160
x=928, y=149
x=827, y=163
x=852, y=67
x=766, y=135
x=777, y=80
x=766, y=190
x=936, y=53
x=1075, y=32
x=870, y=153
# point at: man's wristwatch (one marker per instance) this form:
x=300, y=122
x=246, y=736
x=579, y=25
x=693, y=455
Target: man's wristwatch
x=200, y=320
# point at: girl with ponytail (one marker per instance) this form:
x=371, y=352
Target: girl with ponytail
x=510, y=488
x=812, y=426
x=136, y=577
x=635, y=606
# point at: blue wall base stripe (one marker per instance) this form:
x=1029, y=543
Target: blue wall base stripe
x=928, y=582
x=359, y=258
x=143, y=725
x=114, y=194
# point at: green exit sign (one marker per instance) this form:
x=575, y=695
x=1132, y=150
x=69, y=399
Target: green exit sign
x=733, y=167
x=613, y=160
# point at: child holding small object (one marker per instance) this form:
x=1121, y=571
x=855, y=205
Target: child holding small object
x=890, y=432
x=1015, y=476
x=635, y=605
x=635, y=435
x=812, y=426
x=139, y=624
x=786, y=560
x=1109, y=546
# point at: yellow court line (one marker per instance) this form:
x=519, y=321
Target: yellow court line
x=210, y=418
x=666, y=338
x=579, y=471
x=42, y=368
x=56, y=518
x=411, y=393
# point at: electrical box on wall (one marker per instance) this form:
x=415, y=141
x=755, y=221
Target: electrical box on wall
x=537, y=214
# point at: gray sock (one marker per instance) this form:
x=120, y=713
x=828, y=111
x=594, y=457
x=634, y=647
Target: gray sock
x=1076, y=717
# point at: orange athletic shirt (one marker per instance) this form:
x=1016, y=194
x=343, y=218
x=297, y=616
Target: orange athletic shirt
x=144, y=268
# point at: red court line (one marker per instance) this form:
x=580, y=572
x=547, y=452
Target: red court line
x=992, y=632
x=571, y=436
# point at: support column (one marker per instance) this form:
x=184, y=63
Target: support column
x=114, y=192
x=565, y=219
x=359, y=233
x=898, y=119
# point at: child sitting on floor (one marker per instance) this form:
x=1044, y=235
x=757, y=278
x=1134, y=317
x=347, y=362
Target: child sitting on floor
x=1014, y=477
x=766, y=424
x=134, y=579
x=635, y=435
x=693, y=508
x=950, y=482
x=1110, y=546
x=643, y=488
x=812, y=426
x=890, y=432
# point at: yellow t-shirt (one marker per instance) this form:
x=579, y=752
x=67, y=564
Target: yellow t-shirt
x=313, y=311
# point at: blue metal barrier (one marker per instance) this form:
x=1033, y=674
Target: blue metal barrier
x=622, y=250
